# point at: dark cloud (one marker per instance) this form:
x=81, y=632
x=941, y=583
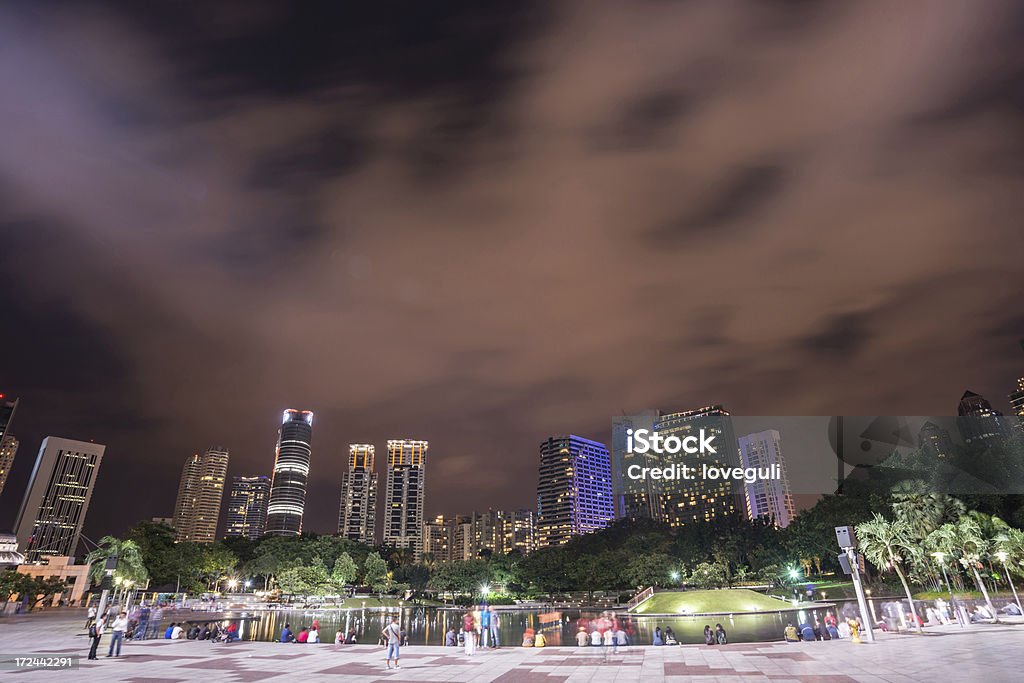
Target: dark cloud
x=492, y=224
x=731, y=203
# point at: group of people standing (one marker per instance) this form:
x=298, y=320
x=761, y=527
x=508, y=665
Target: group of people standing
x=480, y=628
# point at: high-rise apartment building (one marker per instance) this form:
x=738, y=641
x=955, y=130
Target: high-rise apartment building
x=519, y=533
x=978, y=422
x=247, y=507
x=357, y=514
x=574, y=489
x=684, y=501
x=769, y=498
x=291, y=474
x=1017, y=403
x=437, y=539
x=200, y=493
x=404, y=498
x=57, y=498
x=8, y=449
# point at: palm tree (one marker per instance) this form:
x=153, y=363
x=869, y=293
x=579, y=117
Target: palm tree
x=888, y=545
x=973, y=545
x=129, y=561
x=924, y=511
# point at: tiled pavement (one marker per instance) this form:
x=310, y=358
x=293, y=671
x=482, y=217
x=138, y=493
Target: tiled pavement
x=992, y=654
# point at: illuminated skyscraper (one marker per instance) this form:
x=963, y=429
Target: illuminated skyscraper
x=291, y=473
x=57, y=499
x=357, y=516
x=684, y=501
x=574, y=489
x=634, y=498
x=1017, y=403
x=978, y=422
x=935, y=440
x=404, y=498
x=767, y=498
x=247, y=507
x=8, y=449
x=200, y=493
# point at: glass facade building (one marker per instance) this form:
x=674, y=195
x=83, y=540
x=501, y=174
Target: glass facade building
x=247, y=507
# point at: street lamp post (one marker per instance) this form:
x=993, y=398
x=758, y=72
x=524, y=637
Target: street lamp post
x=940, y=557
x=1016, y=598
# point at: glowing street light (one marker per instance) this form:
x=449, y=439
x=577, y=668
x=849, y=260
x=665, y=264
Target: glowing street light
x=232, y=584
x=485, y=590
x=794, y=573
x=675, y=576
x=1002, y=555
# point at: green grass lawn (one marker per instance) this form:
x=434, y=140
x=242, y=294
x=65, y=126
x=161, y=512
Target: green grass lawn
x=695, y=602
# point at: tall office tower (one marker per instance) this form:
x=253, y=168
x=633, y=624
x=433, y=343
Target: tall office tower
x=7, y=408
x=767, y=498
x=935, y=440
x=574, y=489
x=437, y=541
x=200, y=492
x=291, y=473
x=683, y=501
x=247, y=507
x=357, y=515
x=403, y=502
x=57, y=498
x=520, y=532
x=978, y=422
x=8, y=449
x=634, y=498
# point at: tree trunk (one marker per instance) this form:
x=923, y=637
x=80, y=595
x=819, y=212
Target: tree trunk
x=988, y=600
x=910, y=597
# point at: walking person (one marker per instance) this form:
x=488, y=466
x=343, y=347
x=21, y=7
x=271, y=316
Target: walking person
x=91, y=616
x=117, y=630
x=495, y=623
x=95, y=633
x=393, y=634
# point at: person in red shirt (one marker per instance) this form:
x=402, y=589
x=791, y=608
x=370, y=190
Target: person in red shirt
x=303, y=635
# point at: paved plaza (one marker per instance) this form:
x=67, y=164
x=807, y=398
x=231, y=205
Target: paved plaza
x=987, y=653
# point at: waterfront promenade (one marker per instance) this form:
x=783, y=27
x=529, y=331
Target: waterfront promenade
x=989, y=653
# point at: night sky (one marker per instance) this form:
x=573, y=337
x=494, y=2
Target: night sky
x=494, y=223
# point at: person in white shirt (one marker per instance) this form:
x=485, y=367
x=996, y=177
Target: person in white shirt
x=314, y=636
x=117, y=630
x=595, y=637
x=95, y=633
x=91, y=616
x=177, y=632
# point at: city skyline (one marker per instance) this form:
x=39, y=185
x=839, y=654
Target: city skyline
x=486, y=226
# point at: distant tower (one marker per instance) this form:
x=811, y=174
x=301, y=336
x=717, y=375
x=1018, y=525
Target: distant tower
x=437, y=539
x=247, y=507
x=574, y=489
x=8, y=444
x=935, y=440
x=200, y=493
x=1017, y=399
x=767, y=498
x=291, y=473
x=357, y=514
x=57, y=499
x=979, y=423
x=8, y=449
x=7, y=408
x=404, y=498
